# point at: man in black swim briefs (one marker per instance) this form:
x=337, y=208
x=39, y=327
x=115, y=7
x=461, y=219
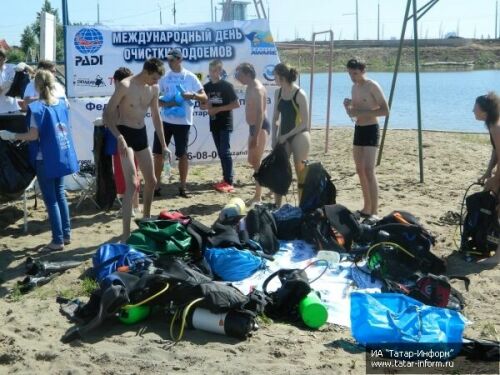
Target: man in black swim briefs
x=255, y=114
x=124, y=115
x=367, y=103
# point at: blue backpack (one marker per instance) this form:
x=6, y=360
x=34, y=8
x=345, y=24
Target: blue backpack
x=231, y=264
x=109, y=257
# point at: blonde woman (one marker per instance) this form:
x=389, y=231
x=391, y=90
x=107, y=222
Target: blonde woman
x=52, y=154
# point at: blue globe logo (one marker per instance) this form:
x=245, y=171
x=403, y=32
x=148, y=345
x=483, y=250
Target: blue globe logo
x=88, y=40
x=269, y=72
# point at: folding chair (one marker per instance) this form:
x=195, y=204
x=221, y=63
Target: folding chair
x=85, y=182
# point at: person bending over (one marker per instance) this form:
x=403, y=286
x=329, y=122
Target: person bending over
x=255, y=114
x=124, y=115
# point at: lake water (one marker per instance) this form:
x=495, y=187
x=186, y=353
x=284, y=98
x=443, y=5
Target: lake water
x=447, y=98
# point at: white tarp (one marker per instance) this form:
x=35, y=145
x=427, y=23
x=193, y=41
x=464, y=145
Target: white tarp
x=93, y=53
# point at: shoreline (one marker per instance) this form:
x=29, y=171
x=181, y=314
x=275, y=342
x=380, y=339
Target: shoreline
x=344, y=126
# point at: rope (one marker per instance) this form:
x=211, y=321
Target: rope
x=185, y=313
x=126, y=307
x=390, y=244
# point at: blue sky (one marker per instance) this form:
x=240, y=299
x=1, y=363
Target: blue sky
x=288, y=18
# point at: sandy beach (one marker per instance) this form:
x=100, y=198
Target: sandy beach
x=32, y=325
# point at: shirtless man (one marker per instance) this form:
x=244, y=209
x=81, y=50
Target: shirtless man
x=255, y=114
x=368, y=103
x=124, y=115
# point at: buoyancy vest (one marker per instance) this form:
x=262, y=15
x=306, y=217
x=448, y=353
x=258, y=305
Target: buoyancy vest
x=55, y=140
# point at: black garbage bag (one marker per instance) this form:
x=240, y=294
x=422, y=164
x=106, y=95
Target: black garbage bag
x=275, y=171
x=18, y=86
x=16, y=172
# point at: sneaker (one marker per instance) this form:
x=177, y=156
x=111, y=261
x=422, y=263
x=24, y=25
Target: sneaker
x=218, y=185
x=224, y=187
x=228, y=188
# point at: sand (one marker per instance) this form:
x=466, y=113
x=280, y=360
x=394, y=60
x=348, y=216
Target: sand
x=32, y=325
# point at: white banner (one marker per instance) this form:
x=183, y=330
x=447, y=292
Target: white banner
x=201, y=148
x=93, y=53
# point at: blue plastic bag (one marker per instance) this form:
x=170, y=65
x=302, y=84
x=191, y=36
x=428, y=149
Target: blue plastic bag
x=231, y=264
x=396, y=318
x=109, y=257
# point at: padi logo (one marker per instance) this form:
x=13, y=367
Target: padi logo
x=98, y=81
x=88, y=40
x=262, y=43
x=269, y=72
x=88, y=60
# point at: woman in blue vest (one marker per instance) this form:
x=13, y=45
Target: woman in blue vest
x=52, y=154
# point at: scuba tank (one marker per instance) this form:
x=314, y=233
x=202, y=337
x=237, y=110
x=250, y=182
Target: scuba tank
x=232, y=323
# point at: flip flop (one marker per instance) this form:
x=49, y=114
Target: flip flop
x=183, y=193
x=361, y=215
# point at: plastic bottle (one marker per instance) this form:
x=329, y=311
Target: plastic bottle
x=167, y=168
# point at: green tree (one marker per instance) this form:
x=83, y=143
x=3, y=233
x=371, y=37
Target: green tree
x=16, y=55
x=29, y=41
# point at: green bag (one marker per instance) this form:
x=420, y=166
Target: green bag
x=160, y=237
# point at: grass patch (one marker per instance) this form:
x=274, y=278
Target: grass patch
x=265, y=320
x=15, y=295
x=489, y=331
x=88, y=286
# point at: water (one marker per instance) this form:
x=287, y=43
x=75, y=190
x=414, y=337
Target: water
x=447, y=98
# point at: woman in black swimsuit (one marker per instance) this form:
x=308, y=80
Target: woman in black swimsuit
x=487, y=108
x=290, y=119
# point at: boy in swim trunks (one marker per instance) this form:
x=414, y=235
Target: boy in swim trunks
x=124, y=115
x=255, y=114
x=367, y=103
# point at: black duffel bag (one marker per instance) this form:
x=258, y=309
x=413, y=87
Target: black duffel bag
x=16, y=172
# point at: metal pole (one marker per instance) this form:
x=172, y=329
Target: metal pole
x=329, y=96
x=394, y=78
x=496, y=19
x=65, y=19
x=378, y=20
x=357, y=21
x=417, y=77
x=174, y=11
x=311, y=83
x=212, y=9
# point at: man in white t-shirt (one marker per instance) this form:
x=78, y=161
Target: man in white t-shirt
x=7, y=72
x=179, y=88
x=30, y=93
